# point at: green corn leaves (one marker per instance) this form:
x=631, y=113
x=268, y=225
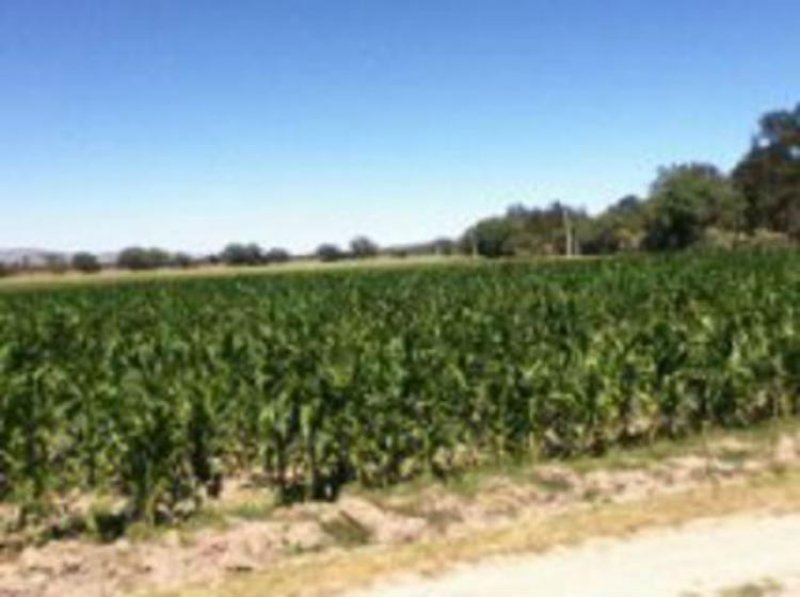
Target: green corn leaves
x=159, y=391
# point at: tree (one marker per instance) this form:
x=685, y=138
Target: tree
x=444, y=246
x=183, y=260
x=362, y=247
x=240, y=254
x=86, y=263
x=686, y=200
x=629, y=206
x=277, y=255
x=133, y=258
x=527, y=231
x=618, y=228
x=329, y=252
x=56, y=263
x=769, y=175
x=489, y=238
x=138, y=258
x=544, y=231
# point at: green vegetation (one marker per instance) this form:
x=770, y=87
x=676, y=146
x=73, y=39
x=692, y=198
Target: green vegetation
x=362, y=247
x=155, y=392
x=329, y=253
x=238, y=254
x=86, y=263
x=688, y=205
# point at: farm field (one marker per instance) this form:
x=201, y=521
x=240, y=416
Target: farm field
x=154, y=394
x=36, y=280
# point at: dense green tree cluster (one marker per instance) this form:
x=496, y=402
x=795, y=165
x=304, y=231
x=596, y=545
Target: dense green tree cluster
x=362, y=247
x=138, y=258
x=619, y=229
x=526, y=231
x=691, y=204
x=277, y=255
x=769, y=175
x=328, y=252
x=252, y=254
x=240, y=254
x=686, y=201
x=86, y=263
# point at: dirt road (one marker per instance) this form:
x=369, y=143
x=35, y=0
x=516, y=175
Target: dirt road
x=742, y=555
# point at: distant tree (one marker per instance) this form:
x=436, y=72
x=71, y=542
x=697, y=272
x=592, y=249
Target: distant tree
x=134, y=258
x=158, y=257
x=240, y=254
x=138, y=258
x=518, y=211
x=618, y=228
x=86, y=263
x=600, y=236
x=769, y=175
x=444, y=246
x=490, y=238
x=55, y=263
x=543, y=231
x=362, y=247
x=627, y=206
x=685, y=200
x=5, y=270
x=277, y=255
x=329, y=252
x=183, y=260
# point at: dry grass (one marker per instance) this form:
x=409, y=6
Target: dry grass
x=762, y=588
x=44, y=280
x=330, y=573
x=240, y=546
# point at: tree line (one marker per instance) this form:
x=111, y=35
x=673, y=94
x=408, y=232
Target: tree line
x=233, y=254
x=688, y=205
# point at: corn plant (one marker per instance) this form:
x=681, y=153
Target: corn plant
x=158, y=391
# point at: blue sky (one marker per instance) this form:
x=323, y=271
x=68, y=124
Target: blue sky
x=191, y=123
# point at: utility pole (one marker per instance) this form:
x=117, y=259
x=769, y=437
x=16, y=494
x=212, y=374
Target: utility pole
x=567, y=232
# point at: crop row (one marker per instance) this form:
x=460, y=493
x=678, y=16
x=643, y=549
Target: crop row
x=157, y=392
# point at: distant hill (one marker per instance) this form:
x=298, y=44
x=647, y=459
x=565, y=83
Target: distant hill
x=27, y=256
x=107, y=258
x=38, y=257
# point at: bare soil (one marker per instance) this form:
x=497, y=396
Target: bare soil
x=736, y=556
x=249, y=541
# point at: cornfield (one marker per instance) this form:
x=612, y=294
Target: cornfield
x=158, y=391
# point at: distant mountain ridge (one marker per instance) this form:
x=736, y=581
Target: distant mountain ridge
x=27, y=256
x=33, y=257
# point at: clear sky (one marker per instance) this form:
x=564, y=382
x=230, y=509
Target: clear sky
x=191, y=123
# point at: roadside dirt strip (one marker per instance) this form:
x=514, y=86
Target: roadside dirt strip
x=247, y=547
x=740, y=555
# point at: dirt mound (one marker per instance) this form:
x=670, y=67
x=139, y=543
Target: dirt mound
x=382, y=526
x=74, y=568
